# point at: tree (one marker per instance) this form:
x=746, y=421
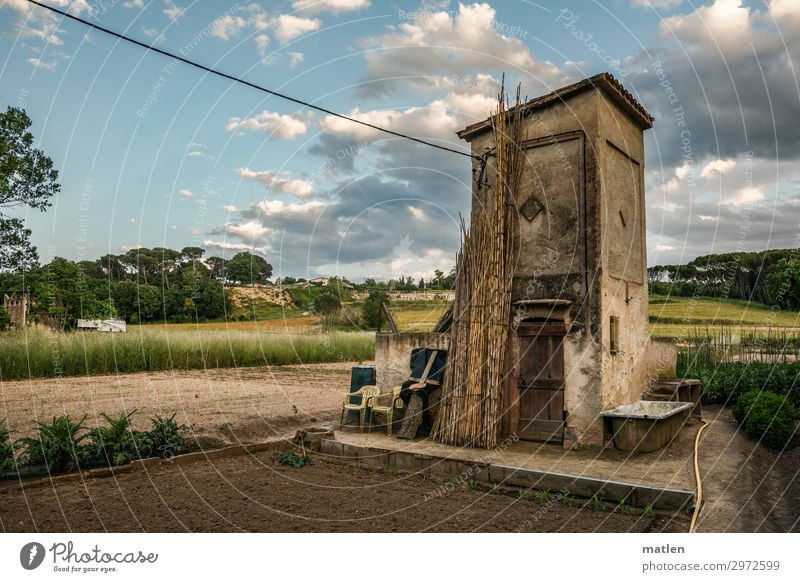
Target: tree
x=327, y=304
x=371, y=311
x=784, y=284
x=246, y=268
x=131, y=299
x=27, y=178
x=5, y=319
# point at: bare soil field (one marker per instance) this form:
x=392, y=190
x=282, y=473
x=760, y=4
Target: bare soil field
x=256, y=493
x=223, y=405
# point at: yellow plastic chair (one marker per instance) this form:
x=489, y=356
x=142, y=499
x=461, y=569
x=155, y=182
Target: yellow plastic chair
x=385, y=404
x=366, y=392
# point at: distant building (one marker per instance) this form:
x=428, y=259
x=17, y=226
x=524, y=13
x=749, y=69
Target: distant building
x=104, y=325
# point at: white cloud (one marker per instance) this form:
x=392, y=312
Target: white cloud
x=717, y=167
x=280, y=183
x=281, y=208
x=441, y=118
x=186, y=193
x=262, y=44
x=173, y=12
x=332, y=6
x=228, y=26
x=40, y=64
x=134, y=4
x=197, y=150
x=249, y=231
x=744, y=196
x=662, y=4
x=229, y=208
x=442, y=43
x=724, y=23
x=275, y=124
x=707, y=217
x=287, y=27
x=132, y=220
x=295, y=59
x=126, y=248
x=228, y=246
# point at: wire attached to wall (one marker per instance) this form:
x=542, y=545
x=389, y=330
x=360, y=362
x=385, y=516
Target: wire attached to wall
x=207, y=69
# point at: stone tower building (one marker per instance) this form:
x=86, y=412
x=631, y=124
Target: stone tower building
x=580, y=317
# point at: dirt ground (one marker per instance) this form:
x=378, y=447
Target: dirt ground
x=747, y=487
x=258, y=494
x=224, y=406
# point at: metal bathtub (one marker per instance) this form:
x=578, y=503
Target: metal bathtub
x=645, y=426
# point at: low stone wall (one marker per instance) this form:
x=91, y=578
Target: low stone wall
x=393, y=353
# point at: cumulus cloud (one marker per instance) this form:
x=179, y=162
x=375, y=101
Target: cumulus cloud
x=442, y=44
x=249, y=231
x=440, y=118
x=332, y=6
x=186, y=193
x=279, y=183
x=276, y=125
x=288, y=27
x=228, y=26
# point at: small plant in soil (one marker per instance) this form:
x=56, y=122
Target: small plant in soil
x=597, y=503
x=569, y=500
x=472, y=484
x=116, y=444
x=166, y=436
x=543, y=496
x=57, y=445
x=648, y=511
x=495, y=490
x=622, y=508
x=294, y=460
x=520, y=493
x=6, y=450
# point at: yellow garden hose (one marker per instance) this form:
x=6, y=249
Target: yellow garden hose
x=699, y=481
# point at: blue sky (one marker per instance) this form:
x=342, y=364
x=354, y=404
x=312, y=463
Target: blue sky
x=157, y=153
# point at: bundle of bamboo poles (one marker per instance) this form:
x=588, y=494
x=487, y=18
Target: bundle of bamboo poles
x=471, y=408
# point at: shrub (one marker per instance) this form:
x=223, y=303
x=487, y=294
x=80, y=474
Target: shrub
x=116, y=444
x=58, y=444
x=724, y=383
x=371, y=311
x=766, y=416
x=5, y=319
x=6, y=450
x=166, y=437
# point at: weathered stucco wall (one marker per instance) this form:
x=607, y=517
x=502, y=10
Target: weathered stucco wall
x=393, y=354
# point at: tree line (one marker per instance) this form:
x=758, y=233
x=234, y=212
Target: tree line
x=771, y=277
x=158, y=284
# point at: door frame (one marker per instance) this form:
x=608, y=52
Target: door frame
x=538, y=430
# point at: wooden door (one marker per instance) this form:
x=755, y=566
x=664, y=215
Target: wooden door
x=541, y=381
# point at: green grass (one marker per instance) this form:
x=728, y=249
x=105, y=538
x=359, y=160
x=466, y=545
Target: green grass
x=685, y=313
x=35, y=353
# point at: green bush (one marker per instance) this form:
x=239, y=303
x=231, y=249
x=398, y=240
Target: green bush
x=6, y=450
x=116, y=444
x=166, y=437
x=724, y=383
x=58, y=445
x=766, y=416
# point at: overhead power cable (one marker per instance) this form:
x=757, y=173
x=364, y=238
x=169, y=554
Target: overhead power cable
x=65, y=14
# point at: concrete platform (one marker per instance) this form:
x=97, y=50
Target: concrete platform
x=663, y=478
